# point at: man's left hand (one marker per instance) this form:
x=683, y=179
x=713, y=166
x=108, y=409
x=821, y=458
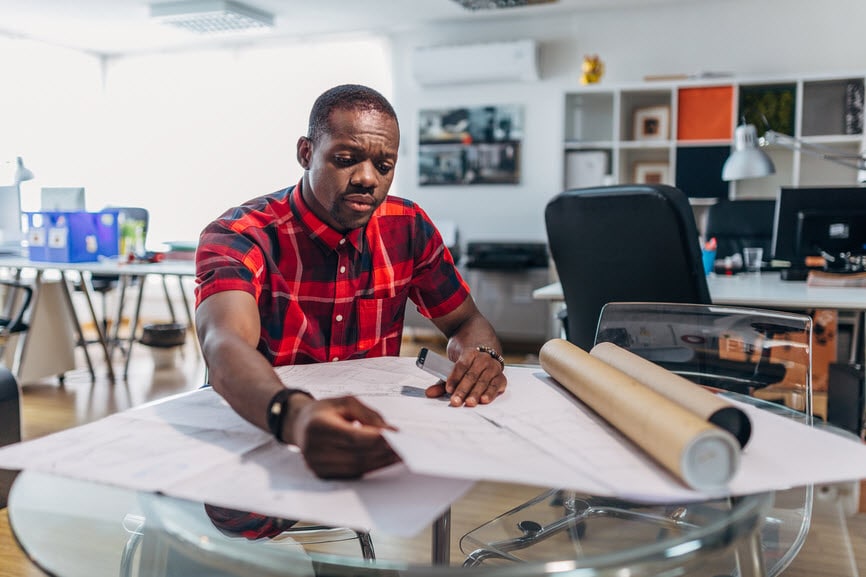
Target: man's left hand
x=477, y=377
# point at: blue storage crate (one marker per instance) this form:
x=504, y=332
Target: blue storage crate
x=63, y=236
x=108, y=233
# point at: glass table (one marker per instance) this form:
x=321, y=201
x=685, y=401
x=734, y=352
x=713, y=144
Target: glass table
x=74, y=528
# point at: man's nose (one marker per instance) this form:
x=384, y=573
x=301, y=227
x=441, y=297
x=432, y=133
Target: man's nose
x=365, y=175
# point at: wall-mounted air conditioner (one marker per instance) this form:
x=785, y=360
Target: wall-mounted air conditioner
x=514, y=61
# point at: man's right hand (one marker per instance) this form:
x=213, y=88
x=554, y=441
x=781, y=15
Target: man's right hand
x=340, y=438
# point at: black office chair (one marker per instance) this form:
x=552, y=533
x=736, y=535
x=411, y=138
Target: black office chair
x=15, y=298
x=629, y=242
x=10, y=425
x=736, y=224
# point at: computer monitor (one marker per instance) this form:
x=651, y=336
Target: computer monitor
x=62, y=198
x=815, y=219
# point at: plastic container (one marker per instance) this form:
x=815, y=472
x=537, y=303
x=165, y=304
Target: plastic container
x=164, y=340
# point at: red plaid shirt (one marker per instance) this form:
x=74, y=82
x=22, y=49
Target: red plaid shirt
x=324, y=295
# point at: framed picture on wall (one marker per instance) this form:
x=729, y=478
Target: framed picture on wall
x=652, y=173
x=478, y=145
x=652, y=123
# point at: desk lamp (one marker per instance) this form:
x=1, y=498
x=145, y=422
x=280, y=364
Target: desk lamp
x=22, y=173
x=10, y=205
x=749, y=161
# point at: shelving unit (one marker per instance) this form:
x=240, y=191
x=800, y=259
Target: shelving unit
x=604, y=145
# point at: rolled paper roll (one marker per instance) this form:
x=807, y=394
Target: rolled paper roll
x=696, y=399
x=698, y=453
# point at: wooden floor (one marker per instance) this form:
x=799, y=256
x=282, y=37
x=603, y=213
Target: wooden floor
x=836, y=546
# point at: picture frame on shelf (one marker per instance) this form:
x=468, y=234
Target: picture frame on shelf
x=652, y=173
x=652, y=123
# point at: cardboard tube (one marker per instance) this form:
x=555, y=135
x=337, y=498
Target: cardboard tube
x=701, y=455
x=682, y=391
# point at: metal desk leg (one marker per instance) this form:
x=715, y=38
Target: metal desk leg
x=114, y=339
x=101, y=333
x=168, y=300
x=189, y=315
x=441, y=539
x=134, y=325
x=64, y=286
x=18, y=357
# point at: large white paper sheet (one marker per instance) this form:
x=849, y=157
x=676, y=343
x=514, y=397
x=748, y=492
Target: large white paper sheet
x=195, y=446
x=536, y=433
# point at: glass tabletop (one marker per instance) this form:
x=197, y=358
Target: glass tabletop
x=74, y=528
x=71, y=527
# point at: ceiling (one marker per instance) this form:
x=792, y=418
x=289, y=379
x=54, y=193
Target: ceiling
x=113, y=27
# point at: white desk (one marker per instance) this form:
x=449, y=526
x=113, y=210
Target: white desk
x=763, y=290
x=126, y=272
x=766, y=290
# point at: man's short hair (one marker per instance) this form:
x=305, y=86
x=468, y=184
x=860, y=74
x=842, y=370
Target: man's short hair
x=345, y=97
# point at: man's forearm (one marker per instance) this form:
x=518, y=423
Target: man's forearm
x=242, y=376
x=474, y=332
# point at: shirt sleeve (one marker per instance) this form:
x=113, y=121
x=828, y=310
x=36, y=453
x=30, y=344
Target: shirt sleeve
x=226, y=260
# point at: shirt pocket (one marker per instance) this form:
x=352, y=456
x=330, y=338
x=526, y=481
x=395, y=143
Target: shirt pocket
x=380, y=321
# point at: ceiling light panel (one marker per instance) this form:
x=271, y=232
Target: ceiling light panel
x=493, y=4
x=211, y=16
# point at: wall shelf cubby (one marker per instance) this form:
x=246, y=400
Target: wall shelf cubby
x=682, y=132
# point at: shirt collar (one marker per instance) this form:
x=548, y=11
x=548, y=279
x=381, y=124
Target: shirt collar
x=319, y=228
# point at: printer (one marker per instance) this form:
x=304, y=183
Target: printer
x=506, y=255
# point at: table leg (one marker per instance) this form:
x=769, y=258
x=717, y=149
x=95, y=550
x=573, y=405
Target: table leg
x=189, y=314
x=134, y=325
x=64, y=286
x=114, y=339
x=168, y=300
x=441, y=539
x=18, y=358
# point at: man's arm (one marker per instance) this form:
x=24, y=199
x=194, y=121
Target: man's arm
x=477, y=376
x=339, y=438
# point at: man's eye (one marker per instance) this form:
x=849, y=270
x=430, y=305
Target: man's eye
x=384, y=168
x=344, y=160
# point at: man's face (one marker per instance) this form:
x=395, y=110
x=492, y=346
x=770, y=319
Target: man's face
x=350, y=167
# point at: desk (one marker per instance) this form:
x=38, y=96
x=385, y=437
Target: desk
x=67, y=525
x=763, y=290
x=126, y=272
x=76, y=528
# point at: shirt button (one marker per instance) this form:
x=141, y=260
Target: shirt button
x=342, y=241
x=342, y=269
x=335, y=359
x=339, y=318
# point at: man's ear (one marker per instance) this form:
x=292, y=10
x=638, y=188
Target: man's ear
x=305, y=151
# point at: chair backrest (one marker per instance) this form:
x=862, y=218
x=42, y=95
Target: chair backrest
x=623, y=243
x=737, y=224
x=754, y=352
x=10, y=424
x=15, y=298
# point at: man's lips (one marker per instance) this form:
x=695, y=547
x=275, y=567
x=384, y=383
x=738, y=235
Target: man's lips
x=359, y=202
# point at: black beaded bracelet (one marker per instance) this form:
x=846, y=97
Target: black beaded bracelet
x=278, y=408
x=492, y=352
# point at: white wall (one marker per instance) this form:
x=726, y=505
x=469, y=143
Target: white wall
x=189, y=134
x=744, y=37
x=186, y=135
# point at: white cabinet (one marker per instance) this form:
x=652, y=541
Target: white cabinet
x=681, y=132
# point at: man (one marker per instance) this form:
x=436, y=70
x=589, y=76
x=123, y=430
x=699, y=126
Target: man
x=321, y=272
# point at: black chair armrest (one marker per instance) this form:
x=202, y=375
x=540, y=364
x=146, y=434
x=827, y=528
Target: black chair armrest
x=16, y=323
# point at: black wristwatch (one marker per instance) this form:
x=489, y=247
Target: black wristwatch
x=278, y=408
